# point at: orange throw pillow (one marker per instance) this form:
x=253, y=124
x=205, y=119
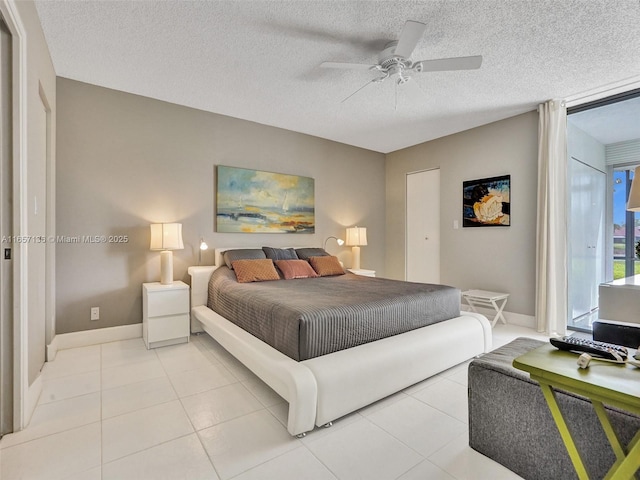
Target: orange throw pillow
x=295, y=269
x=255, y=270
x=326, y=265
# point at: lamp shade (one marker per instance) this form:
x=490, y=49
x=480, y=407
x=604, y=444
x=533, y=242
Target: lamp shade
x=166, y=236
x=633, y=203
x=356, y=236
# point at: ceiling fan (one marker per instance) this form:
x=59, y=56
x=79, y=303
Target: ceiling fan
x=394, y=61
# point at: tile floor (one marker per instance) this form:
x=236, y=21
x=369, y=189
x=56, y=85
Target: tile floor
x=191, y=411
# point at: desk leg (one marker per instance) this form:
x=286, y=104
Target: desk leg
x=618, y=448
x=550, y=397
x=626, y=467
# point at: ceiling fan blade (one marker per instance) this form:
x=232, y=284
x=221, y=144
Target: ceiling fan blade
x=348, y=66
x=365, y=85
x=409, y=38
x=446, y=64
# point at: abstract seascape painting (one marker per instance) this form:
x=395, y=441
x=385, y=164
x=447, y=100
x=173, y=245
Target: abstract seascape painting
x=487, y=202
x=253, y=201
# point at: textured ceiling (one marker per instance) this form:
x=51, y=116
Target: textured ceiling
x=259, y=60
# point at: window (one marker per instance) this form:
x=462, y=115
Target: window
x=603, y=139
x=626, y=227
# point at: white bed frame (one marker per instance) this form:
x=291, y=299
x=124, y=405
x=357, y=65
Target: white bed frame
x=323, y=389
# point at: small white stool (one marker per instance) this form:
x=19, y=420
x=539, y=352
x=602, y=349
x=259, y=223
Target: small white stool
x=482, y=298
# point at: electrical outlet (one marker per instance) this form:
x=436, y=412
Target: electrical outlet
x=95, y=313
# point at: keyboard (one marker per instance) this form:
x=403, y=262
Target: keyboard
x=592, y=347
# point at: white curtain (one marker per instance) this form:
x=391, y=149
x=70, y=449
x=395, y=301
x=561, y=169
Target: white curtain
x=551, y=254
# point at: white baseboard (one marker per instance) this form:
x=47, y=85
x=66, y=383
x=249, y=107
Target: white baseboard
x=92, y=337
x=519, y=319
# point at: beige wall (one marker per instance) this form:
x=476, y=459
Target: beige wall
x=126, y=161
x=498, y=259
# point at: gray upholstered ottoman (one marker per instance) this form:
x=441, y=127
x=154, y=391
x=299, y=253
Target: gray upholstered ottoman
x=510, y=422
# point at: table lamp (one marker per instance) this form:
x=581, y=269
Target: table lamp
x=356, y=237
x=166, y=237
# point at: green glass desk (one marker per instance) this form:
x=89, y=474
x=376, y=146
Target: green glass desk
x=602, y=383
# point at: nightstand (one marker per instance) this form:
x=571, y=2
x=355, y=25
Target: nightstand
x=362, y=271
x=165, y=314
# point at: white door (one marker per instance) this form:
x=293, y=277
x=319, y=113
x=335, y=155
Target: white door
x=586, y=237
x=423, y=226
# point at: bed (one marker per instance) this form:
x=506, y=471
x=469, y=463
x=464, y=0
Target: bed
x=324, y=388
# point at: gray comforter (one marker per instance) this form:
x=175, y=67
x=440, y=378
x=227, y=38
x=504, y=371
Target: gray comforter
x=306, y=318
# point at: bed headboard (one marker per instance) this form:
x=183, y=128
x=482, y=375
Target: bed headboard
x=200, y=284
x=200, y=276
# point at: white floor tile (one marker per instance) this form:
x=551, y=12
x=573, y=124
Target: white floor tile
x=139, y=430
x=294, y=465
x=121, y=411
x=134, y=396
x=72, y=362
x=55, y=417
x=91, y=474
x=460, y=460
x=418, y=425
x=241, y=372
x=220, y=405
x=447, y=396
x=201, y=379
x=55, y=456
x=381, y=404
x=180, y=459
x=118, y=354
x=122, y=345
x=263, y=392
x=127, y=374
x=362, y=451
x=423, y=384
x=69, y=386
x=426, y=470
x=189, y=357
x=243, y=443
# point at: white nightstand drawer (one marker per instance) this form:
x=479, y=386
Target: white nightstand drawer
x=169, y=302
x=168, y=327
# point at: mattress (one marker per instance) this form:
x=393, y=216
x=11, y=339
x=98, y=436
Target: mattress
x=310, y=317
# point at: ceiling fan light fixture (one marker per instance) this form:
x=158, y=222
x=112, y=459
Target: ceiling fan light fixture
x=395, y=60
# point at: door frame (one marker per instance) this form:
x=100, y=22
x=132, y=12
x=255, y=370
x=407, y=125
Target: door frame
x=11, y=17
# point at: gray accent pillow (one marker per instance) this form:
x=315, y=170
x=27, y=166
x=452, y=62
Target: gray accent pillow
x=280, y=253
x=307, y=253
x=242, y=254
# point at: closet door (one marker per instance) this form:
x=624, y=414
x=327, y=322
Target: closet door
x=423, y=227
x=586, y=237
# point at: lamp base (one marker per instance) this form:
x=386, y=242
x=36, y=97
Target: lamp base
x=166, y=267
x=355, y=263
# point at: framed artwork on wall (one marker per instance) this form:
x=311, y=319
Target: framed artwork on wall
x=487, y=202
x=253, y=201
